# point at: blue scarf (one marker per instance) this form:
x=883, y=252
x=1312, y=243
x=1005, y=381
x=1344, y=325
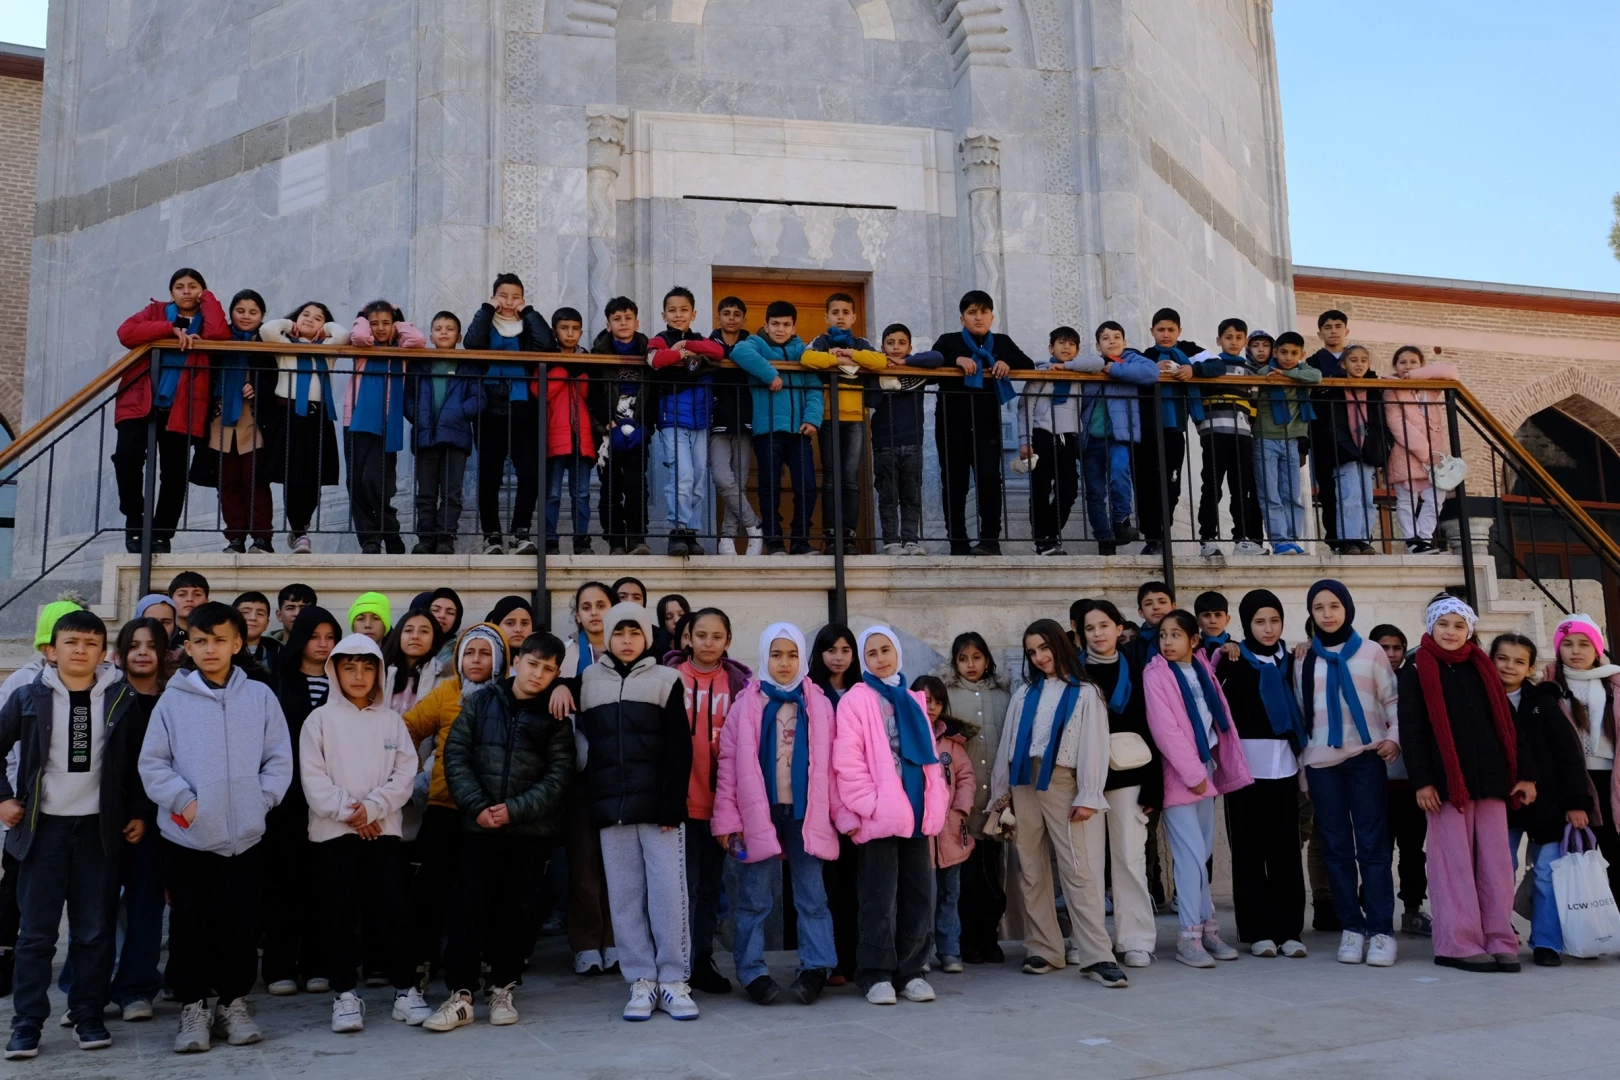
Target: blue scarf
x=171, y=363
x=1121, y=696
x=1281, y=708
x=307, y=367
x=799, y=765
x=1340, y=690
x=916, y=740
x=1280, y=411
x=379, y=402
x=1026, y=733
x=1212, y=701
x=1150, y=634
x=839, y=338
x=984, y=356
x=586, y=656
x=1193, y=395
x=232, y=368
x=1210, y=644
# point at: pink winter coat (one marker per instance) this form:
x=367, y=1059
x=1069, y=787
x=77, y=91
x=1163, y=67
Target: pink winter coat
x=1178, y=745
x=954, y=844
x=1417, y=422
x=741, y=804
x=874, y=804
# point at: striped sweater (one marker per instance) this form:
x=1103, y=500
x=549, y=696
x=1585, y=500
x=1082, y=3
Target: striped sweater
x=1374, y=682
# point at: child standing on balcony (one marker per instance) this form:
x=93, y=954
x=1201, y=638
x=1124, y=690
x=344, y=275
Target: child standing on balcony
x=1110, y=431
x=179, y=403
x=570, y=434
x=232, y=459
x=1357, y=441
x=1282, y=424
x=303, y=447
x=1417, y=426
x=443, y=406
x=623, y=411
x=684, y=361
x=839, y=348
x=897, y=443
x=1049, y=434
x=788, y=411
x=374, y=425
x=1226, y=439
x=731, y=435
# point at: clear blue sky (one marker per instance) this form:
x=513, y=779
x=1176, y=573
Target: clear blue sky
x=1454, y=138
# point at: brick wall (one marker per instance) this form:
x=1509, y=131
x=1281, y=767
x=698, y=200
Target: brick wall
x=19, y=162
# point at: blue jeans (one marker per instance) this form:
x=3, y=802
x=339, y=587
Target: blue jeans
x=578, y=470
x=809, y=900
x=65, y=865
x=685, y=454
x=1546, y=932
x=947, y=920
x=773, y=450
x=1282, y=494
x=1351, y=804
x=1354, y=483
x=1106, y=464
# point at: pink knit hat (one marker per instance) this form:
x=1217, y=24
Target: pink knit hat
x=1579, y=624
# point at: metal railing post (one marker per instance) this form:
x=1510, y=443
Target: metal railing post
x=838, y=602
x=1465, y=535
x=149, y=481
x=542, y=596
x=1166, y=549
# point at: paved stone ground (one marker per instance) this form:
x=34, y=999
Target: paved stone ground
x=1300, y=1019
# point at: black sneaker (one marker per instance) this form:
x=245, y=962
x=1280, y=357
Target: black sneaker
x=1545, y=957
x=582, y=545
x=371, y=549
x=262, y=547
x=707, y=978
x=235, y=547
x=1107, y=547
x=808, y=986
x=92, y=1034
x=802, y=548
x=553, y=547
x=1153, y=547
x=961, y=547
x=986, y=547
x=422, y=547
x=677, y=544
x=763, y=990
x=1106, y=972
x=1125, y=532
x=1037, y=965
x=24, y=1042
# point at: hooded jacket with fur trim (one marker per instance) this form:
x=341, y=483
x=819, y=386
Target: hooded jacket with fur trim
x=433, y=715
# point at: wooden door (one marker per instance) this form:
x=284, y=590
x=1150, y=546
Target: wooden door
x=810, y=297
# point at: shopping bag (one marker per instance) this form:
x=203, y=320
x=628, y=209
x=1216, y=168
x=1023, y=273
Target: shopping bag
x=1586, y=909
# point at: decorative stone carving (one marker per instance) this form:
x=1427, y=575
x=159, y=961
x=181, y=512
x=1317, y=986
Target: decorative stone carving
x=604, y=147
x=976, y=31
x=981, y=172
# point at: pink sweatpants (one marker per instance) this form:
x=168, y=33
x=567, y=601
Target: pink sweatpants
x=1471, y=880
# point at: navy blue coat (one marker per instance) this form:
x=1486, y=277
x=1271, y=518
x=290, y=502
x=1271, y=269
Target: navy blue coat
x=452, y=425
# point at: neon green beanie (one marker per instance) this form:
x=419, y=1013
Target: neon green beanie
x=48, y=615
x=373, y=603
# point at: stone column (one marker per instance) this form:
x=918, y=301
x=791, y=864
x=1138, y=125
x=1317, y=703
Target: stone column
x=604, y=146
x=981, y=171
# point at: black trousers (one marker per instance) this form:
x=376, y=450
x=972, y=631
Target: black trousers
x=895, y=889
x=513, y=432
x=292, y=914
x=1149, y=478
x=1268, y=877
x=983, y=901
x=1055, y=482
x=839, y=878
x=214, y=913
x=1327, y=484
x=1408, y=829
x=364, y=881
x=1228, y=459
x=440, y=472
x=372, y=483
x=1608, y=836
x=438, y=850
x=10, y=914
x=129, y=468
x=964, y=460
x=492, y=869
x=622, y=508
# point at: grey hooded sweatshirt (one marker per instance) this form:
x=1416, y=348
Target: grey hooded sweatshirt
x=228, y=749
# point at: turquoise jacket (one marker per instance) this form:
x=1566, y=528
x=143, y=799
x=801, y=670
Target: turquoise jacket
x=801, y=399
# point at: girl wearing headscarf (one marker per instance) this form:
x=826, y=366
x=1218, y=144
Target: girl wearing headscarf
x=775, y=798
x=445, y=605
x=1462, y=754
x=1050, y=765
x=1590, y=686
x=515, y=618
x=1348, y=698
x=891, y=798
x=1262, y=820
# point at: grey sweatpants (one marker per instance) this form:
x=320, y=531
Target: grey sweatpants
x=730, y=456
x=646, y=883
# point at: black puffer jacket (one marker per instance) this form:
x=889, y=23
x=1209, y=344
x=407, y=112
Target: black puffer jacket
x=500, y=750
x=633, y=717
x=1548, y=738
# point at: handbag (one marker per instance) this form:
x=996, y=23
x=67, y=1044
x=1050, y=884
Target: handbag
x=1586, y=910
x=1448, y=472
x=1127, y=750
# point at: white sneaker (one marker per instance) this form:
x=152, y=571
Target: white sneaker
x=894, y=549
x=501, y=1009
x=1381, y=951
x=457, y=1011
x=67, y=1019
x=675, y=998
x=882, y=993
x=610, y=958
x=193, y=1035
x=318, y=985
x=235, y=1023
x=1249, y=547
x=301, y=545
x=918, y=990
x=411, y=1007
x=1294, y=950
x=640, y=1005
x=348, y=1013
x=1351, y=946
x=136, y=1010
x=756, y=541
x=1190, y=950
x=1265, y=948
x=1137, y=958
x=283, y=987
x=1210, y=550
x=1071, y=956
x=585, y=961
x=1213, y=944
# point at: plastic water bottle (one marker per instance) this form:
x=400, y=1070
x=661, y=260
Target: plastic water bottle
x=735, y=848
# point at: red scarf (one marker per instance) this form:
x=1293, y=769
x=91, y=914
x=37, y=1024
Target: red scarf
x=1430, y=656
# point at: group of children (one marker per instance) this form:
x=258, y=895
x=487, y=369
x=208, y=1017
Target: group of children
x=416, y=767
x=258, y=419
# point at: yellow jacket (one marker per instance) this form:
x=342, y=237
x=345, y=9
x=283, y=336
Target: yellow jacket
x=851, y=402
x=434, y=714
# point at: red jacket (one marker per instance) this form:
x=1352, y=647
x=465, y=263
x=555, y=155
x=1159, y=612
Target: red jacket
x=568, y=419
x=189, y=414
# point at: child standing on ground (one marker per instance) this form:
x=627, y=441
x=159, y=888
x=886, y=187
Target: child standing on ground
x=1192, y=727
x=370, y=615
x=891, y=801
x=731, y=435
x=1590, y=690
x=775, y=802
x=1464, y=756
x=303, y=448
x=684, y=361
x=637, y=770
x=187, y=590
x=443, y=406
x=835, y=673
x=1408, y=824
x=214, y=733
x=625, y=410
x=374, y=425
x=1417, y=429
x=897, y=443
x=839, y=348
x=265, y=650
x=978, y=694
x=570, y=436
x=788, y=411
x=1210, y=608
x=955, y=843
x=357, y=767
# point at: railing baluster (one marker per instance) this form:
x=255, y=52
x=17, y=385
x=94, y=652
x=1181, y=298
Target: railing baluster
x=1465, y=535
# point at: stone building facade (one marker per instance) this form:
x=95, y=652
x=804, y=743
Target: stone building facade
x=22, y=82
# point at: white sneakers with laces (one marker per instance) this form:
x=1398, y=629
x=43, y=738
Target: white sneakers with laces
x=234, y=1023
x=756, y=541
x=1351, y=947
x=193, y=1037
x=640, y=1005
x=411, y=1007
x=882, y=994
x=501, y=1009
x=1293, y=949
x=1265, y=948
x=1381, y=951
x=918, y=990
x=457, y=1011
x=675, y=998
x=348, y=1013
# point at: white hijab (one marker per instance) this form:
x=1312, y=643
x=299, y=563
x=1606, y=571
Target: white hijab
x=788, y=632
x=899, y=656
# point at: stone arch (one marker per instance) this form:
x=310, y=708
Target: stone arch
x=1577, y=393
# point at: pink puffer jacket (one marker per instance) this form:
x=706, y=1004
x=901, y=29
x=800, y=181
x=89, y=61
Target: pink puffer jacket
x=874, y=804
x=1178, y=745
x=954, y=844
x=1417, y=421
x=741, y=804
